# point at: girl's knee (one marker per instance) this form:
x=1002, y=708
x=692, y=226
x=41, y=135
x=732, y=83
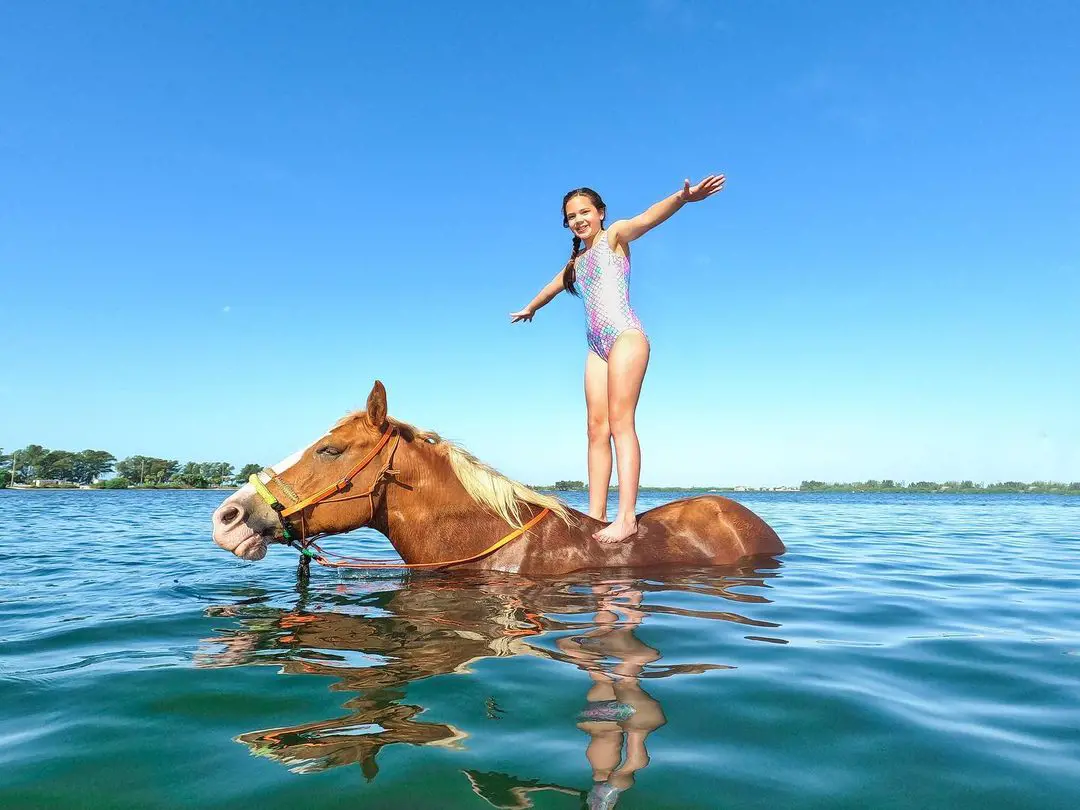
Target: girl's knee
x=599, y=430
x=622, y=426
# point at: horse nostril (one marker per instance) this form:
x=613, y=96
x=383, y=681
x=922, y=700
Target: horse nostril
x=231, y=515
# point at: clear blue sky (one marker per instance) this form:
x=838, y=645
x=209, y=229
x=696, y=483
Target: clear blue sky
x=220, y=222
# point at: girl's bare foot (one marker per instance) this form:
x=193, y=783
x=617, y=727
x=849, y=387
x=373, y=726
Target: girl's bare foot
x=616, y=532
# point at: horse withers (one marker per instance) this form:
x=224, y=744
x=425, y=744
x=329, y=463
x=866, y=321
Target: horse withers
x=441, y=507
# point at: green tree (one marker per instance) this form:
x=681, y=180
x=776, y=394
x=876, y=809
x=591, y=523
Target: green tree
x=1007, y=486
x=113, y=483
x=192, y=476
x=569, y=485
x=147, y=469
x=91, y=465
x=58, y=464
x=216, y=471
x=164, y=470
x=133, y=468
x=29, y=462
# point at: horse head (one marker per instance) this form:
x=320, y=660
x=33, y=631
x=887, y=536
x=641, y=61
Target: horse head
x=334, y=485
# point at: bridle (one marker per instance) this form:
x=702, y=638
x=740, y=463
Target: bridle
x=303, y=506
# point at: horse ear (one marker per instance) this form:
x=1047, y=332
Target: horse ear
x=376, y=405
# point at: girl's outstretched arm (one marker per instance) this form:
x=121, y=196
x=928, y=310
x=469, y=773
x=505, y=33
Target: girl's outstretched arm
x=627, y=230
x=551, y=289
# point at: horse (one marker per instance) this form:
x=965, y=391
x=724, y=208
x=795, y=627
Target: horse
x=441, y=507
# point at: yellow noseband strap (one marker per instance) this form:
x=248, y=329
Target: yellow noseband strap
x=264, y=493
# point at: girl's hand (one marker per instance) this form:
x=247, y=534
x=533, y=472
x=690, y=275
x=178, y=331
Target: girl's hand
x=706, y=188
x=524, y=315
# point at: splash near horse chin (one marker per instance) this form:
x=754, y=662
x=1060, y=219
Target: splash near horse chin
x=440, y=507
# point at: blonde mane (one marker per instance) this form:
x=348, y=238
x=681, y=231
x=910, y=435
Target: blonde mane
x=486, y=485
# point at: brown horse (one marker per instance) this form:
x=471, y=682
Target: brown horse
x=439, y=506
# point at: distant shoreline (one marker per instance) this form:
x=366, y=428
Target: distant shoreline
x=835, y=490
x=842, y=490
x=26, y=488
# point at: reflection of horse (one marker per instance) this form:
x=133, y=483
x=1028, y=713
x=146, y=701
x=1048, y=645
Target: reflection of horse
x=441, y=625
x=428, y=631
x=440, y=506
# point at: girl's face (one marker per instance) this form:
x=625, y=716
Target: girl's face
x=583, y=218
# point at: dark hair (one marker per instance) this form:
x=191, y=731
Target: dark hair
x=569, y=274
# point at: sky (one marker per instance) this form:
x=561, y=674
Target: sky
x=221, y=222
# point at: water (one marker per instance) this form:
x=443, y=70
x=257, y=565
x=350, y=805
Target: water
x=907, y=652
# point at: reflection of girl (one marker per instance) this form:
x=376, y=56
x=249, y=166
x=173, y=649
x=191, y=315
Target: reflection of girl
x=619, y=711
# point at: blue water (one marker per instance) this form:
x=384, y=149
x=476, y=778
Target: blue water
x=908, y=651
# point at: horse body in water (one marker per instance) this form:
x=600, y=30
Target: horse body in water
x=438, y=505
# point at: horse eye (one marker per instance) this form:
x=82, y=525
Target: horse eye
x=329, y=451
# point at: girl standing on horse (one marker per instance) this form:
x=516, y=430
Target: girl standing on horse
x=618, y=348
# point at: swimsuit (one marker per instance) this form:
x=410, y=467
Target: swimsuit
x=605, y=285
x=613, y=711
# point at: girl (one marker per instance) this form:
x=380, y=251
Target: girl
x=618, y=349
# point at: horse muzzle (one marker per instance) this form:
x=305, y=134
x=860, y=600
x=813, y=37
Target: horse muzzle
x=244, y=525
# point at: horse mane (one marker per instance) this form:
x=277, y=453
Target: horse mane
x=486, y=485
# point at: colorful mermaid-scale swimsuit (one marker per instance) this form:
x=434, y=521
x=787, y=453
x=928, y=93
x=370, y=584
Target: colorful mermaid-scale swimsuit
x=604, y=276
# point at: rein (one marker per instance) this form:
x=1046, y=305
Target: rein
x=359, y=562
x=325, y=495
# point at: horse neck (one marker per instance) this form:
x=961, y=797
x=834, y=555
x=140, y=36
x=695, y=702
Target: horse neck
x=430, y=517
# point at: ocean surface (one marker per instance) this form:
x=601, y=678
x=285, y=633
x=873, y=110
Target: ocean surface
x=907, y=652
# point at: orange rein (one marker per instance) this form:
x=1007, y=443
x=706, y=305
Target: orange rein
x=325, y=496
x=357, y=562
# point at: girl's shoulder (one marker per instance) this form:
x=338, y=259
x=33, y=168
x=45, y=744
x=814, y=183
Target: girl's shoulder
x=613, y=235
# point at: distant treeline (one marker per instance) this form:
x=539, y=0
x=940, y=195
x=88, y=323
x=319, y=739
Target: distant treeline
x=567, y=485
x=888, y=485
x=884, y=485
x=67, y=468
x=563, y=486
x=64, y=467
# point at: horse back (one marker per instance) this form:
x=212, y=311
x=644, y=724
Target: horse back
x=707, y=526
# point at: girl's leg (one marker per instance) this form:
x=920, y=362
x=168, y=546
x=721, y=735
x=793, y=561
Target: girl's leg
x=627, y=362
x=596, y=403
